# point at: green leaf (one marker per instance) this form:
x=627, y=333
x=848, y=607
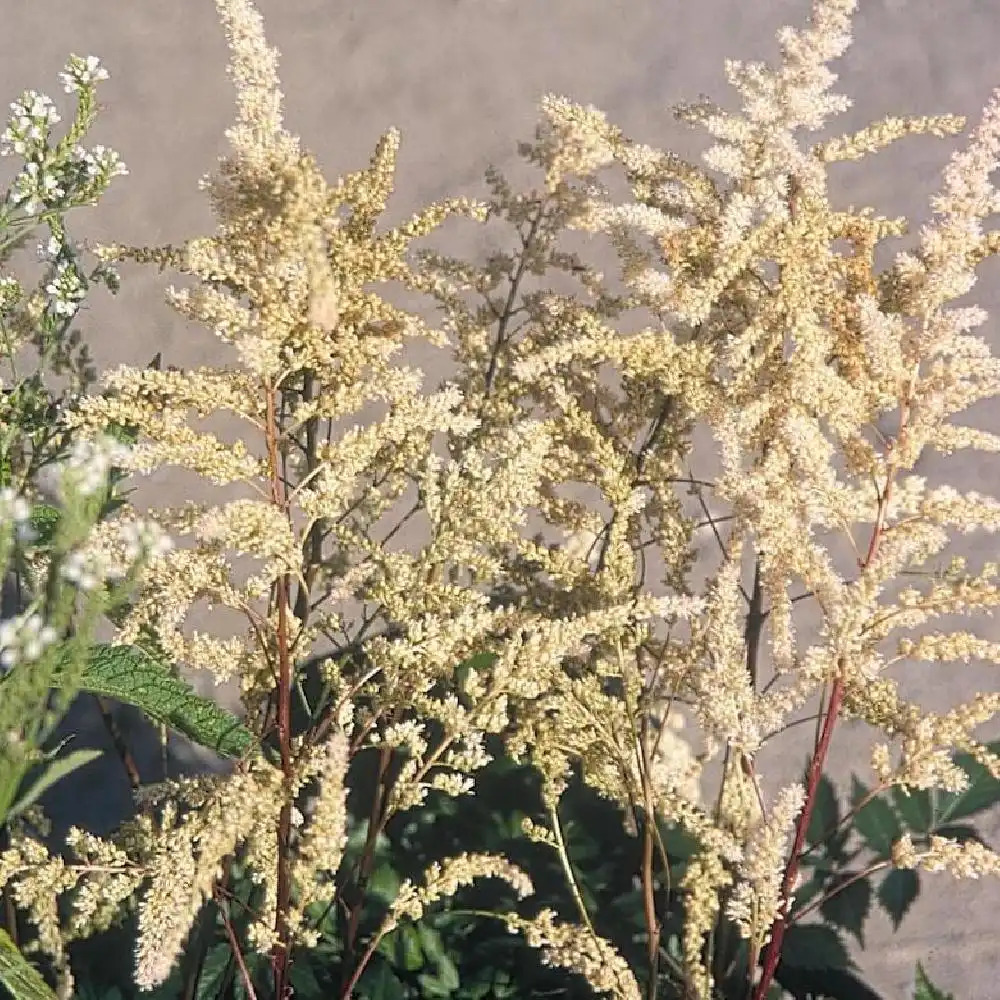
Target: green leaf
x=217, y=970
x=897, y=892
x=409, y=954
x=431, y=943
x=56, y=771
x=876, y=821
x=129, y=674
x=850, y=907
x=814, y=946
x=826, y=813
x=21, y=979
x=384, y=882
x=305, y=982
x=379, y=982
x=44, y=522
x=914, y=808
x=258, y=967
x=808, y=891
x=926, y=990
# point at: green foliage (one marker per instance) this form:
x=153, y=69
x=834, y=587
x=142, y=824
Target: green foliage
x=926, y=990
x=17, y=975
x=130, y=674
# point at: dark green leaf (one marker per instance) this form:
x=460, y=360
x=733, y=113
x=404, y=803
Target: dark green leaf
x=217, y=970
x=20, y=978
x=814, y=946
x=897, y=892
x=850, y=906
x=679, y=843
x=379, y=982
x=258, y=966
x=305, y=983
x=409, y=954
x=807, y=892
x=430, y=942
x=129, y=674
x=44, y=521
x=926, y=990
x=384, y=882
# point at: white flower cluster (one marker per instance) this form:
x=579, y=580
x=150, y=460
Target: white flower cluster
x=48, y=175
x=29, y=125
x=85, y=470
x=105, y=559
x=80, y=71
x=24, y=638
x=15, y=508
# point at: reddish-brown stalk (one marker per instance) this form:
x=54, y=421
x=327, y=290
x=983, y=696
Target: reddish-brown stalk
x=280, y=953
x=773, y=953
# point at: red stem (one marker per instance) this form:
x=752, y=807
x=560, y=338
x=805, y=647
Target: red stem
x=280, y=953
x=773, y=953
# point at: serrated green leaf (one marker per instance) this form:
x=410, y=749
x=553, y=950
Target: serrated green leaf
x=379, y=982
x=897, y=893
x=216, y=972
x=129, y=674
x=814, y=946
x=926, y=990
x=21, y=979
x=44, y=522
x=849, y=907
x=55, y=771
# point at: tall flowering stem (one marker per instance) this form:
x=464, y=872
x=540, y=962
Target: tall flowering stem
x=280, y=952
x=772, y=954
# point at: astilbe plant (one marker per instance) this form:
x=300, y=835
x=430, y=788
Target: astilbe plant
x=793, y=354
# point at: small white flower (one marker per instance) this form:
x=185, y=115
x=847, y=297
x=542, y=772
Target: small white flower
x=80, y=71
x=13, y=507
x=82, y=569
x=89, y=463
x=144, y=539
x=24, y=638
